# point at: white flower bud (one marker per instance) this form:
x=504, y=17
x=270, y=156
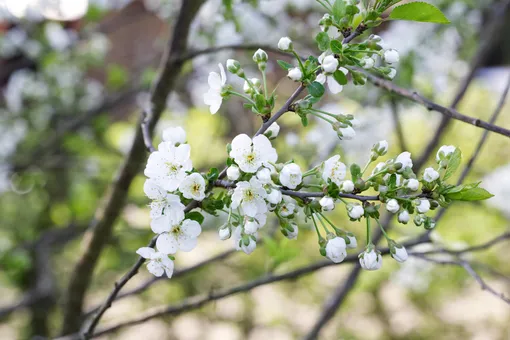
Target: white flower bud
x=336, y=249
x=264, y=175
x=295, y=74
x=275, y=196
x=391, y=56
x=413, y=184
x=251, y=227
x=224, y=233
x=379, y=149
x=291, y=176
x=329, y=64
x=174, y=135
x=355, y=211
x=419, y=219
x=392, y=73
x=399, y=253
x=403, y=217
x=375, y=38
x=405, y=159
x=233, y=173
x=285, y=44
x=444, y=153
x=272, y=131
x=370, y=260
x=430, y=175
x=423, y=206
x=260, y=56
x=234, y=67
x=392, y=206
x=347, y=186
x=327, y=203
x=347, y=133
x=248, y=249
x=367, y=62
x=353, y=243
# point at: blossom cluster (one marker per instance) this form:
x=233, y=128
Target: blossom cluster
x=256, y=185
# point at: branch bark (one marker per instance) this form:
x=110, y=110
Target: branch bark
x=101, y=228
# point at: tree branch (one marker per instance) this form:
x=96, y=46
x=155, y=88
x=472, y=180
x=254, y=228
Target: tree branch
x=201, y=300
x=101, y=229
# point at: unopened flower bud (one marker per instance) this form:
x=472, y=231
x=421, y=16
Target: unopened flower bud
x=224, y=233
x=260, y=56
x=370, y=259
x=392, y=206
x=327, y=203
x=295, y=74
x=272, y=131
x=430, y=224
x=329, y=64
x=367, y=62
x=391, y=56
x=403, y=217
x=379, y=149
x=285, y=44
x=347, y=133
x=391, y=73
x=351, y=241
x=430, y=175
x=444, y=154
x=423, y=206
x=233, y=173
x=418, y=220
x=336, y=249
x=413, y=184
x=234, y=67
x=274, y=196
x=355, y=211
x=347, y=186
x=399, y=253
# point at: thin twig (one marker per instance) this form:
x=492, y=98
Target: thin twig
x=200, y=300
x=398, y=124
x=484, y=246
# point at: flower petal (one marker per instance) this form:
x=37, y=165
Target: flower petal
x=161, y=224
x=191, y=228
x=186, y=243
x=145, y=252
x=166, y=244
x=334, y=87
x=155, y=268
x=214, y=81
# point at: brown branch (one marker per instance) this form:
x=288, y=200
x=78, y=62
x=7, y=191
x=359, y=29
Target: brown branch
x=201, y=300
x=430, y=105
x=398, y=124
x=101, y=229
x=484, y=246
x=469, y=269
x=488, y=38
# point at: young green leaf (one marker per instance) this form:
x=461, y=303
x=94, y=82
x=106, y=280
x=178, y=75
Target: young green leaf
x=470, y=194
x=285, y=65
x=453, y=164
x=419, y=11
x=355, y=172
x=195, y=216
x=339, y=9
x=316, y=89
x=322, y=40
x=340, y=77
x=336, y=46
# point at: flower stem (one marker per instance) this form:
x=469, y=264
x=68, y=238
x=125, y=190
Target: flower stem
x=322, y=223
x=264, y=82
x=299, y=61
x=321, y=117
x=242, y=96
x=369, y=234
x=316, y=228
x=383, y=231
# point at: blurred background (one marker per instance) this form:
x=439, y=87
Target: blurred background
x=73, y=75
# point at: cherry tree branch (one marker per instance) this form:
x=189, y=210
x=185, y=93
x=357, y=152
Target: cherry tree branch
x=201, y=300
x=101, y=229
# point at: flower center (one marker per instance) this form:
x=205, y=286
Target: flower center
x=173, y=168
x=176, y=230
x=249, y=195
x=195, y=188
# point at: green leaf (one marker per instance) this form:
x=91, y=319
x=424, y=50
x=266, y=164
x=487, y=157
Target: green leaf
x=453, y=164
x=285, y=65
x=213, y=174
x=117, y=76
x=470, y=194
x=260, y=101
x=336, y=46
x=316, y=89
x=322, y=40
x=332, y=189
x=195, y=216
x=419, y=11
x=340, y=77
x=339, y=9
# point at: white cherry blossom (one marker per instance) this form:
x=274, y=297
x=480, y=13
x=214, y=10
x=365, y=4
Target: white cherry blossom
x=405, y=159
x=327, y=203
x=179, y=236
x=336, y=249
x=163, y=203
x=291, y=176
x=193, y=187
x=250, y=154
x=233, y=173
x=399, y=253
x=158, y=263
x=250, y=196
x=213, y=98
x=334, y=170
x=370, y=260
x=168, y=165
x=392, y=206
x=174, y=135
x=430, y=175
